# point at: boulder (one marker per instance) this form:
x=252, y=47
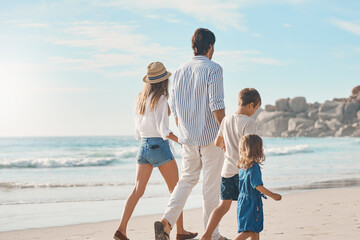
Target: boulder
x=297, y=104
x=355, y=93
x=333, y=124
x=356, y=133
x=345, y=131
x=330, y=110
x=313, y=114
x=358, y=115
x=299, y=123
x=291, y=133
x=327, y=134
x=301, y=115
x=301, y=133
x=270, y=108
x=272, y=124
x=320, y=124
x=313, y=132
x=350, y=110
x=282, y=105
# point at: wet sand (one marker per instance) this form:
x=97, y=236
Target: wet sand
x=316, y=214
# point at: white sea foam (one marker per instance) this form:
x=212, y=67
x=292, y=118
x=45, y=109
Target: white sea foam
x=56, y=162
x=287, y=150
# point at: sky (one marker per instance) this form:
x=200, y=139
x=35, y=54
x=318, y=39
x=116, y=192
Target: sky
x=75, y=67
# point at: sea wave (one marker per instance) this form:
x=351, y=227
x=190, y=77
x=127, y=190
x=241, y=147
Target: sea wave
x=82, y=159
x=56, y=162
x=287, y=150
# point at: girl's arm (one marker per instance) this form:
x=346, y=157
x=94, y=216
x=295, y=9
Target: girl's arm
x=219, y=142
x=264, y=190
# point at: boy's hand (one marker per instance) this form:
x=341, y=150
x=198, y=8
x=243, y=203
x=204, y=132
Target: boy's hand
x=276, y=197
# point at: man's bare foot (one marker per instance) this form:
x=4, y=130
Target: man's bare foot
x=167, y=226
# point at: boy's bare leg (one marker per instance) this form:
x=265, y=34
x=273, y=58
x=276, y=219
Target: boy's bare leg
x=244, y=235
x=215, y=218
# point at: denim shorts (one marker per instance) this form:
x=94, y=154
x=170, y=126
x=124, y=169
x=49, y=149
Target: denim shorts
x=155, y=151
x=230, y=188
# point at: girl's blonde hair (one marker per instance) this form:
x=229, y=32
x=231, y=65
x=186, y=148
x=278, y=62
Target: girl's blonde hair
x=250, y=151
x=156, y=90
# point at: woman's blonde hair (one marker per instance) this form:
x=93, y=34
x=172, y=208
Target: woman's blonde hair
x=250, y=151
x=156, y=90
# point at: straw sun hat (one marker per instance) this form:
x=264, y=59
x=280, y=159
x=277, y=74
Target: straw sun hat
x=156, y=72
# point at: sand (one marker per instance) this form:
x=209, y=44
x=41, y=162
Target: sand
x=316, y=214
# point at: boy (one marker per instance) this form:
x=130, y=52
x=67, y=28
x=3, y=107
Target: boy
x=232, y=128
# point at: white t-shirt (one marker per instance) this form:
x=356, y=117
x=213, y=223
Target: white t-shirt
x=155, y=122
x=232, y=128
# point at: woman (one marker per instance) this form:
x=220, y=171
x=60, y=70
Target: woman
x=152, y=127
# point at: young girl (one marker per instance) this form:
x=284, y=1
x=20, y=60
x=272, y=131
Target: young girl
x=152, y=127
x=250, y=207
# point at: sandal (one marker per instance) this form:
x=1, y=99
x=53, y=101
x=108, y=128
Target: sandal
x=119, y=236
x=160, y=234
x=189, y=235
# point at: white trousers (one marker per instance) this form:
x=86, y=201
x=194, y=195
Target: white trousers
x=209, y=158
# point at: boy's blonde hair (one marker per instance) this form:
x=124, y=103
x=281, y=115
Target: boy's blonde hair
x=249, y=95
x=250, y=151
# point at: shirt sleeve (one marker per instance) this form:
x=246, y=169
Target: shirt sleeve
x=137, y=123
x=250, y=128
x=255, y=176
x=216, y=90
x=173, y=105
x=162, y=117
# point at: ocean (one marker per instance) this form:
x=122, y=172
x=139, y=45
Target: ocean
x=58, y=181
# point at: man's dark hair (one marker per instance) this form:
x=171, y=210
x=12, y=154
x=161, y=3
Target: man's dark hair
x=249, y=95
x=202, y=40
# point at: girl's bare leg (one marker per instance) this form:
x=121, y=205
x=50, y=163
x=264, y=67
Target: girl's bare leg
x=170, y=173
x=256, y=236
x=244, y=235
x=143, y=173
x=216, y=217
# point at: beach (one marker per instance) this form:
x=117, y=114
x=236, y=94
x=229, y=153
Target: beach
x=314, y=214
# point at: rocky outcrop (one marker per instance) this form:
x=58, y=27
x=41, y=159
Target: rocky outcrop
x=294, y=117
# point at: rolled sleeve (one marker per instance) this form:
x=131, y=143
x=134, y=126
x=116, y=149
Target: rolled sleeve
x=216, y=90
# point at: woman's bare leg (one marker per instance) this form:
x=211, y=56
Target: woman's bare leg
x=143, y=173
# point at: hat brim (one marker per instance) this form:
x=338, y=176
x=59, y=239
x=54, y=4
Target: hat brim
x=147, y=80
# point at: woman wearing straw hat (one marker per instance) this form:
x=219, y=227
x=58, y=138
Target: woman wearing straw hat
x=152, y=128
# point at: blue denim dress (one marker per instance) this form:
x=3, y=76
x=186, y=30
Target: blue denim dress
x=250, y=207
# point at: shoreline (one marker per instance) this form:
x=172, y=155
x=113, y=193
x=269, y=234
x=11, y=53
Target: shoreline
x=300, y=215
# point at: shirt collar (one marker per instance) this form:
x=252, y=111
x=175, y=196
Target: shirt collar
x=200, y=57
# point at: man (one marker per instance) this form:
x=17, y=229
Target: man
x=198, y=107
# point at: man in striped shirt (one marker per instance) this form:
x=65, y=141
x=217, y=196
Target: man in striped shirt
x=198, y=107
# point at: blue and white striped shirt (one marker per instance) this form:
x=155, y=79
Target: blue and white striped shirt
x=197, y=91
